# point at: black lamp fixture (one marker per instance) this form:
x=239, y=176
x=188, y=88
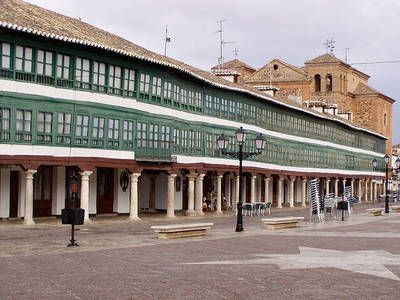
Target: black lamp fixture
x=386, y=158
x=222, y=143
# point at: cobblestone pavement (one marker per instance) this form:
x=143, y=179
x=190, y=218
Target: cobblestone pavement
x=355, y=259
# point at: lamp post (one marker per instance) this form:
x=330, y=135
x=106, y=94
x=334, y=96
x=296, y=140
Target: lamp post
x=222, y=143
x=387, y=168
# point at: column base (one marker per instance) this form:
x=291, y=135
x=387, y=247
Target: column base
x=190, y=213
x=199, y=213
x=87, y=220
x=171, y=216
x=279, y=206
x=218, y=212
x=133, y=218
x=29, y=222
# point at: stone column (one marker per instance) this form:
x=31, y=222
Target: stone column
x=219, y=194
x=375, y=191
x=190, y=211
x=28, y=216
x=371, y=190
x=134, y=206
x=266, y=189
x=327, y=181
x=253, y=188
x=366, y=190
x=304, y=192
x=85, y=193
x=352, y=186
x=237, y=184
x=291, y=190
x=171, y=196
x=336, y=187
x=280, y=191
x=359, y=189
x=344, y=184
x=199, y=194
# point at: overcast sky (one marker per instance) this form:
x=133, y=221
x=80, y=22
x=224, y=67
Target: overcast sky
x=261, y=30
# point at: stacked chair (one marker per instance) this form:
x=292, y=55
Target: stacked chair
x=316, y=202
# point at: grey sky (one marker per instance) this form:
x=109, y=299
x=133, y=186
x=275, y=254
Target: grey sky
x=293, y=31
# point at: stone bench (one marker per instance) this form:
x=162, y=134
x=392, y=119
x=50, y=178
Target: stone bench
x=395, y=208
x=282, y=222
x=173, y=231
x=375, y=211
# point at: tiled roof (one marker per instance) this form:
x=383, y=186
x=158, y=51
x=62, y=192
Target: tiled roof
x=25, y=17
x=324, y=58
x=289, y=73
x=364, y=89
x=233, y=64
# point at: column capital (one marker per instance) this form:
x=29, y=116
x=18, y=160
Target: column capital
x=281, y=177
x=292, y=178
x=267, y=179
x=29, y=173
x=85, y=173
x=201, y=176
x=135, y=176
x=171, y=176
x=219, y=177
x=304, y=179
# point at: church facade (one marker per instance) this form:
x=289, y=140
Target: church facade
x=139, y=129
x=326, y=84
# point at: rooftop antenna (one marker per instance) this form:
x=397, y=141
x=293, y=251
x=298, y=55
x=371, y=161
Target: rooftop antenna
x=167, y=40
x=346, y=51
x=330, y=45
x=235, y=52
x=221, y=43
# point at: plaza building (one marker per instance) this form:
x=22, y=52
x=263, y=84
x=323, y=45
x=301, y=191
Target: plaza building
x=140, y=129
x=326, y=84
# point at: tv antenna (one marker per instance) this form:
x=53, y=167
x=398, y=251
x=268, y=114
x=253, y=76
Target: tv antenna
x=166, y=40
x=235, y=52
x=330, y=45
x=222, y=43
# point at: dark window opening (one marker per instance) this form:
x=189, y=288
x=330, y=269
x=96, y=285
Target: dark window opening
x=317, y=79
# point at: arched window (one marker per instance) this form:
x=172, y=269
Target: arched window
x=317, y=79
x=329, y=82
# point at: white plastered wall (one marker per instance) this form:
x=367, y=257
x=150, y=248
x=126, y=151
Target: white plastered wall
x=298, y=192
x=4, y=192
x=121, y=198
x=58, y=191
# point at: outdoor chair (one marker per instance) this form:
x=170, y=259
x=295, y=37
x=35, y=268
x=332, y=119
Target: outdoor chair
x=329, y=203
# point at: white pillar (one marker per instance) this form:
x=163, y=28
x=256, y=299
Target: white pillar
x=259, y=188
x=58, y=190
x=171, y=196
x=327, y=182
x=360, y=189
x=219, y=194
x=366, y=190
x=291, y=190
x=134, y=207
x=375, y=191
x=199, y=194
x=336, y=187
x=280, y=191
x=237, y=185
x=352, y=186
x=253, y=189
x=344, y=184
x=267, y=180
x=190, y=211
x=304, y=192
x=85, y=193
x=28, y=216
x=371, y=189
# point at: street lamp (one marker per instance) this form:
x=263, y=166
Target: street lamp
x=387, y=168
x=222, y=143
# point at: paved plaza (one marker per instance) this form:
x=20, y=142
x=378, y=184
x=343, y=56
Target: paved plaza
x=355, y=259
